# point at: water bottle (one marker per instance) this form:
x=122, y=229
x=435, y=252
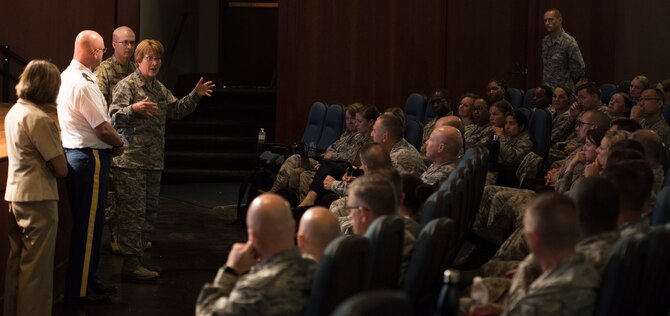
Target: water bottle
x=261, y=136
x=311, y=149
x=447, y=304
x=494, y=152
x=479, y=293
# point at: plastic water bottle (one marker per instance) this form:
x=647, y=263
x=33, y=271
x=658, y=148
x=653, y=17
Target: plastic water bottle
x=479, y=293
x=447, y=303
x=494, y=152
x=261, y=136
x=311, y=149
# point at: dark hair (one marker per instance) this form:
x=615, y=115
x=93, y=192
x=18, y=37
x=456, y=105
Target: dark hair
x=503, y=106
x=597, y=204
x=567, y=90
x=520, y=119
x=416, y=192
x=548, y=91
x=397, y=112
x=500, y=83
x=554, y=217
x=591, y=88
x=370, y=112
x=595, y=136
x=375, y=156
x=626, y=124
x=633, y=180
x=392, y=125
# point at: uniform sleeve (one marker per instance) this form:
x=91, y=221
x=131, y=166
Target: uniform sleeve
x=177, y=109
x=222, y=298
x=89, y=105
x=513, y=153
x=575, y=62
x=103, y=83
x=121, y=101
x=339, y=187
x=44, y=136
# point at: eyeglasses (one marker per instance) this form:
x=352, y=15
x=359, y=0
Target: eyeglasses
x=126, y=43
x=103, y=50
x=580, y=123
x=151, y=58
x=347, y=209
x=648, y=99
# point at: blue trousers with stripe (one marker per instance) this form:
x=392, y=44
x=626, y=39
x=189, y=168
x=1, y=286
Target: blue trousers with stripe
x=87, y=186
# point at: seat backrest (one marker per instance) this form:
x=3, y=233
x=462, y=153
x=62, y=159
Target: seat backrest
x=436, y=206
x=430, y=115
x=315, y=119
x=623, y=86
x=415, y=107
x=380, y=302
x=515, y=97
x=636, y=279
x=661, y=213
x=606, y=92
x=528, y=98
x=526, y=112
x=540, y=132
x=332, y=126
x=429, y=259
x=414, y=133
x=342, y=273
x=386, y=235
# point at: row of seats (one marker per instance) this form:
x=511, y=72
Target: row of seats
x=520, y=99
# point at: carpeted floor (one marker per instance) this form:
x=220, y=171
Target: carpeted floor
x=191, y=242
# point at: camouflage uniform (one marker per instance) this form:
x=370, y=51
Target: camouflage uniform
x=300, y=180
x=279, y=285
x=596, y=249
x=109, y=73
x=436, y=173
x=137, y=172
x=513, y=149
x=406, y=159
x=477, y=135
x=567, y=289
x=658, y=125
x=640, y=225
x=568, y=180
x=561, y=125
x=427, y=129
x=412, y=230
x=562, y=60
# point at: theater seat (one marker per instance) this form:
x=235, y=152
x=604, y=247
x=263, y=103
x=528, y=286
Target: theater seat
x=515, y=97
x=380, y=302
x=386, y=235
x=332, y=127
x=661, y=213
x=606, y=92
x=414, y=133
x=415, y=107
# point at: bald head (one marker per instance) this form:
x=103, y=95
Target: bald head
x=451, y=120
x=123, y=42
x=270, y=223
x=444, y=144
x=318, y=227
x=88, y=48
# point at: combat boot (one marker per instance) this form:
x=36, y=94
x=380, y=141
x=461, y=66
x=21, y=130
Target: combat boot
x=134, y=270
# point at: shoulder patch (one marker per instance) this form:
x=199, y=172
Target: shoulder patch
x=87, y=77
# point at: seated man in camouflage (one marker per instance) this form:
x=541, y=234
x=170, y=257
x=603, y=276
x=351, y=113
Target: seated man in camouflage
x=266, y=275
x=318, y=227
x=633, y=181
x=553, y=279
x=443, y=148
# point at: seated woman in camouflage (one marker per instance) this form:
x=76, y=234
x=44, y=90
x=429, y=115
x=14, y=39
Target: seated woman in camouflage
x=345, y=148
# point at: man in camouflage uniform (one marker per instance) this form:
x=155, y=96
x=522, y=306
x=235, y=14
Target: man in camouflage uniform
x=388, y=131
x=266, y=275
x=109, y=73
x=591, y=119
x=651, y=109
x=563, y=62
x=633, y=181
x=442, y=148
x=140, y=106
x=480, y=131
x=440, y=106
x=567, y=283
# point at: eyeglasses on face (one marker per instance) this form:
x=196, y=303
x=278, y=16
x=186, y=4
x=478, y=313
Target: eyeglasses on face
x=348, y=209
x=103, y=50
x=126, y=43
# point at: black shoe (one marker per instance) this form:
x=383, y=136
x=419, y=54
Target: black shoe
x=102, y=289
x=91, y=298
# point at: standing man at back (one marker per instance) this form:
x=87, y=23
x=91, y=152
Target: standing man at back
x=120, y=65
x=109, y=73
x=89, y=141
x=563, y=62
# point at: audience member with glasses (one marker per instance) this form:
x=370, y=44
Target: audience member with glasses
x=119, y=65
